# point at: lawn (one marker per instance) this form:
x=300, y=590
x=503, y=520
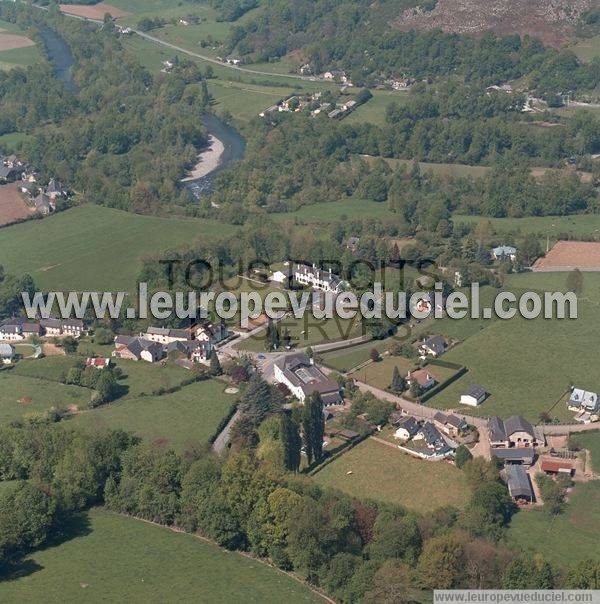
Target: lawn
x=334, y=211
x=93, y=248
x=43, y=394
x=190, y=415
x=108, y=558
x=345, y=359
x=564, y=539
x=591, y=442
x=384, y=473
x=379, y=374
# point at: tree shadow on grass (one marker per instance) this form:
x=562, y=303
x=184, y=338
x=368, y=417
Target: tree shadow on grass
x=76, y=526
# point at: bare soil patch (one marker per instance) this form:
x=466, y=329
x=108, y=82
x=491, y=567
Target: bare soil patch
x=97, y=11
x=12, y=206
x=569, y=255
x=10, y=41
x=551, y=21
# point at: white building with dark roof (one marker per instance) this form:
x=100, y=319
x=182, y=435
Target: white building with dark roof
x=303, y=378
x=514, y=432
x=317, y=278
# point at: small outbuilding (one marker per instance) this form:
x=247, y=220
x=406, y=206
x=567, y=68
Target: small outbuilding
x=474, y=396
x=519, y=485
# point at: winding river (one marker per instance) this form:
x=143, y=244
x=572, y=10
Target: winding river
x=229, y=144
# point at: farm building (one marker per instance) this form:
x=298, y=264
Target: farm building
x=557, y=466
x=519, y=485
x=449, y=423
x=514, y=432
x=515, y=455
x=474, y=396
x=137, y=349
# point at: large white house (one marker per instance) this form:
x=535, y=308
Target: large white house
x=316, y=278
x=303, y=378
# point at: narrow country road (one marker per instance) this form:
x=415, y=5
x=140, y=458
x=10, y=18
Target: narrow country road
x=223, y=438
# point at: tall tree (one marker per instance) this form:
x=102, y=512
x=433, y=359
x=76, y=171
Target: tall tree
x=398, y=384
x=215, y=364
x=575, y=282
x=313, y=427
x=291, y=441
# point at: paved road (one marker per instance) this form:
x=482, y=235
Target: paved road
x=223, y=438
x=567, y=429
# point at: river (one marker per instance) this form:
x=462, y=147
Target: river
x=232, y=145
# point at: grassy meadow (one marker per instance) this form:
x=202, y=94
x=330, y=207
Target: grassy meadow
x=386, y=474
x=104, y=557
x=573, y=535
x=93, y=248
x=591, y=442
x=334, y=211
x=21, y=395
x=190, y=415
x=17, y=57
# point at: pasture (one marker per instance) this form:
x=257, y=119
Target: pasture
x=93, y=248
x=384, y=473
x=373, y=111
x=334, y=211
x=379, y=374
x=12, y=206
x=105, y=557
x=21, y=395
x=591, y=442
x=188, y=416
x=565, y=539
x=16, y=49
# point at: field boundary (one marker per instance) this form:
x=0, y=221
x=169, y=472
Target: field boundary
x=350, y=445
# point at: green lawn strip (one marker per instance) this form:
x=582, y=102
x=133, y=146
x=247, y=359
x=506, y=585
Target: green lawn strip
x=93, y=248
x=104, y=557
x=565, y=539
x=190, y=415
x=37, y=395
x=346, y=359
x=333, y=211
x=379, y=374
x=383, y=473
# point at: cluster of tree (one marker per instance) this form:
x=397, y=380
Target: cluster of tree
x=128, y=138
x=61, y=471
x=103, y=381
x=11, y=289
x=358, y=36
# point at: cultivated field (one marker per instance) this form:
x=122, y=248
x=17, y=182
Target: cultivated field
x=12, y=206
x=574, y=535
x=94, y=11
x=93, y=248
x=384, y=473
x=189, y=416
x=16, y=49
x=21, y=395
x=569, y=255
x=104, y=557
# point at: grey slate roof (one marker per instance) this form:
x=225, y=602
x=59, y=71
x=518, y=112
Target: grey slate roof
x=524, y=454
x=435, y=343
x=519, y=484
x=476, y=391
x=516, y=423
x=410, y=424
x=496, y=428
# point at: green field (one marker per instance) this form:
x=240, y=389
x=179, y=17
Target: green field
x=545, y=226
x=346, y=359
x=108, y=558
x=190, y=415
x=452, y=170
x=43, y=394
x=373, y=111
x=526, y=366
x=587, y=49
x=384, y=473
x=93, y=248
x=379, y=374
x=591, y=442
x=334, y=211
x=12, y=141
x=574, y=535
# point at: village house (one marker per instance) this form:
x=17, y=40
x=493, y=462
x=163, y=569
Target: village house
x=519, y=485
x=474, y=396
x=214, y=333
x=97, y=362
x=282, y=276
x=435, y=446
x=17, y=329
x=194, y=350
x=11, y=168
x=55, y=189
x=7, y=353
x=137, y=349
x=303, y=378
x=422, y=378
x=63, y=327
x=449, y=423
x=407, y=428
x=586, y=404
x=43, y=204
x=166, y=335
x=316, y=278
x=504, y=252
x=433, y=346
x=514, y=432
